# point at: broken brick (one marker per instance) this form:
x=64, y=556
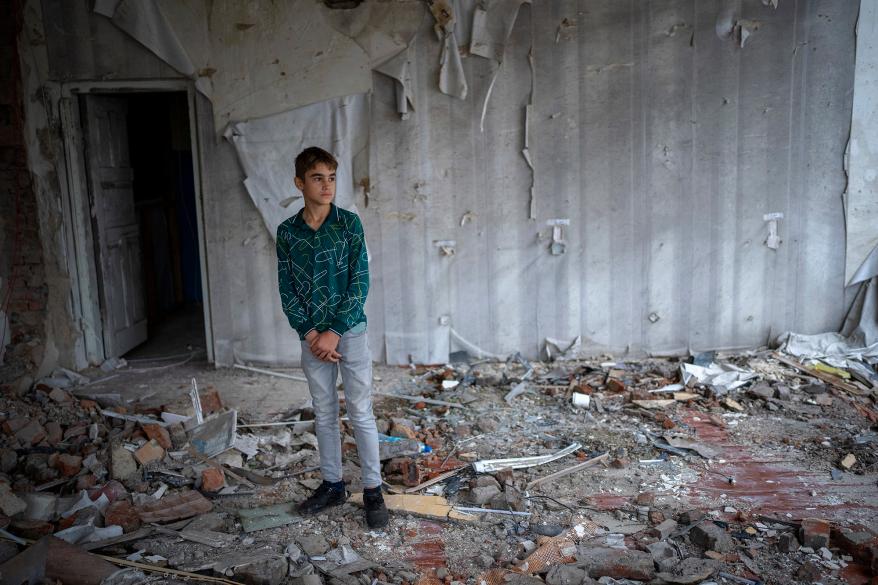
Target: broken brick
x=149, y=452
x=809, y=572
x=709, y=536
x=54, y=433
x=13, y=425
x=663, y=530
x=656, y=517
x=787, y=542
x=855, y=543
x=122, y=513
x=8, y=460
x=210, y=400
x=10, y=504
x=122, y=464
x=181, y=505
x=616, y=564
x=31, y=434
x=614, y=385
x=645, y=499
x=31, y=529
x=403, y=428
x=68, y=465
x=814, y=533
x=60, y=396
x=212, y=480
x=89, y=405
x=690, y=516
x=159, y=434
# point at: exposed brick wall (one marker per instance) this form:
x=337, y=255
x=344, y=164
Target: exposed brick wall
x=23, y=291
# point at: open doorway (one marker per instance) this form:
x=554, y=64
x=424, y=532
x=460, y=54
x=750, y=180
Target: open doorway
x=144, y=223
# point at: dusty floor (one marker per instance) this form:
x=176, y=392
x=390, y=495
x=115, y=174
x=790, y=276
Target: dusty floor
x=770, y=463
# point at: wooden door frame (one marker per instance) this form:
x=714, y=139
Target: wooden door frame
x=76, y=209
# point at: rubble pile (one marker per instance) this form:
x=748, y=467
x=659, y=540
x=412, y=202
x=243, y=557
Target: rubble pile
x=566, y=472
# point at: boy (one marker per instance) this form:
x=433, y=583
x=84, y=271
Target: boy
x=323, y=275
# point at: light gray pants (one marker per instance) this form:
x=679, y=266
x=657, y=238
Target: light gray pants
x=356, y=374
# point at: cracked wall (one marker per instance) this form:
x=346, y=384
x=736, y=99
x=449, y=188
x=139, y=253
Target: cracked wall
x=660, y=139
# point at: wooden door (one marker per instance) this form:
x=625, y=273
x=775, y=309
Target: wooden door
x=115, y=225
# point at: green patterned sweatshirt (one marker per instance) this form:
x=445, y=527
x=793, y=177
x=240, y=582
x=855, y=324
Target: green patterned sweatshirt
x=323, y=275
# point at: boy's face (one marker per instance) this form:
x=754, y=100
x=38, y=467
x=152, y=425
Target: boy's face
x=318, y=186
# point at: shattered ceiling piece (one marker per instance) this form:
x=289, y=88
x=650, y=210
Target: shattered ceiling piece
x=721, y=378
x=491, y=465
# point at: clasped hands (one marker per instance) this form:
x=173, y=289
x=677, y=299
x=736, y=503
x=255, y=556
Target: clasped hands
x=324, y=345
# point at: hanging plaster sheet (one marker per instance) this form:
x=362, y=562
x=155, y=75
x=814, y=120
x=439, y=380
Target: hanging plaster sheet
x=385, y=30
x=145, y=20
x=492, y=26
x=268, y=146
x=252, y=59
x=381, y=29
x=861, y=197
x=399, y=68
x=452, y=79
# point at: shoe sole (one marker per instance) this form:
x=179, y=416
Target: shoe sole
x=317, y=511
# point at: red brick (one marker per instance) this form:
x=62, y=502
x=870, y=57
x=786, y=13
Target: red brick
x=183, y=504
x=13, y=425
x=210, y=400
x=158, y=433
x=31, y=434
x=855, y=543
x=614, y=385
x=89, y=405
x=150, y=452
x=645, y=499
x=68, y=465
x=212, y=480
x=32, y=529
x=814, y=533
x=122, y=513
x=85, y=482
x=54, y=433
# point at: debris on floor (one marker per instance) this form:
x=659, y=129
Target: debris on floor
x=741, y=468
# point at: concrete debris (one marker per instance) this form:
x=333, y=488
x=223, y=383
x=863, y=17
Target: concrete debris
x=664, y=476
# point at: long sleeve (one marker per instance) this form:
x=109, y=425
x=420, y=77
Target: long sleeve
x=351, y=308
x=296, y=312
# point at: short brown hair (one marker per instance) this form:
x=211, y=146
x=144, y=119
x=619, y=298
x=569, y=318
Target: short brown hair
x=310, y=158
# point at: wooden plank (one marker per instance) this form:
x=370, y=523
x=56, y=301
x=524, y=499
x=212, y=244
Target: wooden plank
x=828, y=378
x=435, y=507
x=585, y=464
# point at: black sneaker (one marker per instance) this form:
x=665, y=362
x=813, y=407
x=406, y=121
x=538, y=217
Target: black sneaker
x=376, y=511
x=324, y=496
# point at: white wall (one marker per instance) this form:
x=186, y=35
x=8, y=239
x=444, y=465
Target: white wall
x=662, y=143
